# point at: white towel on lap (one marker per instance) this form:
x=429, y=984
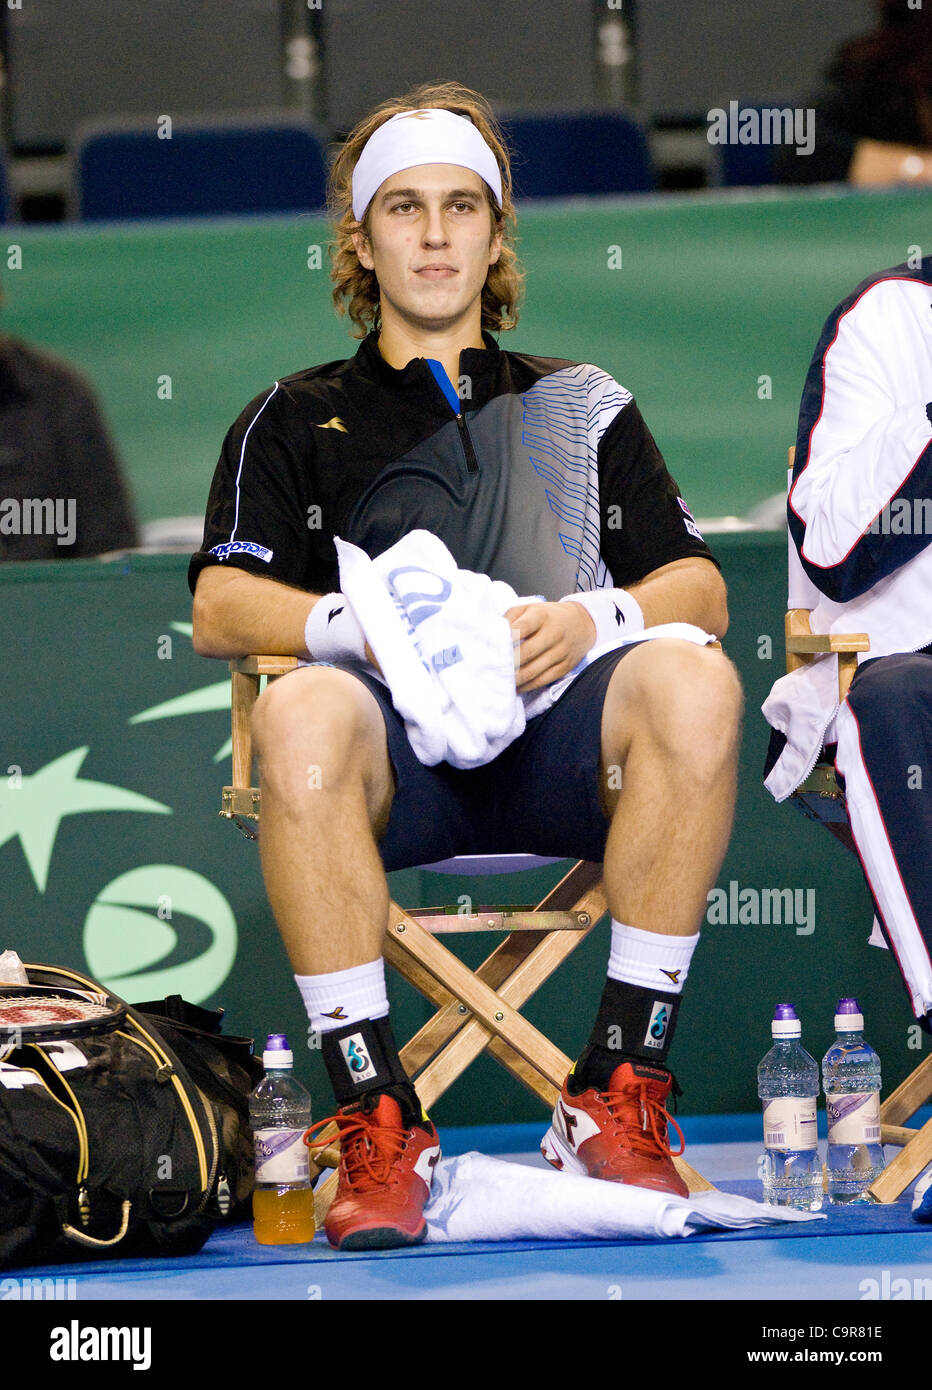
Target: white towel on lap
x=443, y=644
x=445, y=648
x=475, y=1197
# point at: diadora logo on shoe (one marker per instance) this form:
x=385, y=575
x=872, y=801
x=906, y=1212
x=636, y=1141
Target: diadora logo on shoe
x=657, y=1027
x=357, y=1059
x=426, y=1163
x=575, y=1126
x=569, y=1123
x=673, y=975
x=338, y=1012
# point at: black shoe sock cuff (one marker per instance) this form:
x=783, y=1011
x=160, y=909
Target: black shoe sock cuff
x=635, y=1021
x=363, y=1057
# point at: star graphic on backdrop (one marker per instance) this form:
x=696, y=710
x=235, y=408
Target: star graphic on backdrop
x=207, y=698
x=32, y=811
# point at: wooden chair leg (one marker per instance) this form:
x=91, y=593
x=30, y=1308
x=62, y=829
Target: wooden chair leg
x=478, y=1010
x=517, y=952
x=909, y=1095
x=245, y=695
x=907, y=1166
x=469, y=1038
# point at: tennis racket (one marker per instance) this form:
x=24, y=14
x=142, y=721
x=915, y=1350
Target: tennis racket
x=37, y=1013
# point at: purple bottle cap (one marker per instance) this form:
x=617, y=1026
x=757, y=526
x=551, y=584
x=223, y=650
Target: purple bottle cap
x=276, y=1054
x=848, y=1017
x=785, y=1022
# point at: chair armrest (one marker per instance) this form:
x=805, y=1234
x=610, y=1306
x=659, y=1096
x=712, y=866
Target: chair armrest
x=802, y=644
x=263, y=665
x=816, y=643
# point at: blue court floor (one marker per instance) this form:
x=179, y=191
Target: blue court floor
x=858, y=1254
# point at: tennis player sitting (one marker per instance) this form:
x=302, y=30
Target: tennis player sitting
x=522, y=466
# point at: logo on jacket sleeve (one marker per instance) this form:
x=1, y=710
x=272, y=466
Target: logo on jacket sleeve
x=258, y=552
x=690, y=521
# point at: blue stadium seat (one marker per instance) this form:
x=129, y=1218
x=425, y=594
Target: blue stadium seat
x=574, y=153
x=745, y=166
x=127, y=171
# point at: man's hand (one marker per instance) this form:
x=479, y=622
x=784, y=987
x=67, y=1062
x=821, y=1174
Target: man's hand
x=370, y=657
x=550, y=639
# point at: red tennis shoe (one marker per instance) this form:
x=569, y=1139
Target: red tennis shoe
x=619, y=1133
x=385, y=1173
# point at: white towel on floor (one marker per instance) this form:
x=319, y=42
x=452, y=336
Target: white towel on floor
x=445, y=648
x=475, y=1197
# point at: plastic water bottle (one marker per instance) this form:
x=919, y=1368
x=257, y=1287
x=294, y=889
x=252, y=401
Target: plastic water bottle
x=851, y=1079
x=788, y=1084
x=280, y=1113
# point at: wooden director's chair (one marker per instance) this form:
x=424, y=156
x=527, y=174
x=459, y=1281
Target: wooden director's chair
x=476, y=1010
x=822, y=799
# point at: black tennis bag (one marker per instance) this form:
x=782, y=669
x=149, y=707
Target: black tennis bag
x=121, y=1133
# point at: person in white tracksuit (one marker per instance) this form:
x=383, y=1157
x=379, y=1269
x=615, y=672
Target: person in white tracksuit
x=860, y=517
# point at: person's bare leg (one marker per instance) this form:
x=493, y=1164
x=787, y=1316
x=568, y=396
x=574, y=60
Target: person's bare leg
x=670, y=725
x=327, y=788
x=670, y=731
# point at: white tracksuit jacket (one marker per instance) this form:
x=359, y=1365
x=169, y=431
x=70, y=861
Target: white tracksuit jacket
x=860, y=521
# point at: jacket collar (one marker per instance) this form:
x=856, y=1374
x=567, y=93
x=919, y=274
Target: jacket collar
x=481, y=364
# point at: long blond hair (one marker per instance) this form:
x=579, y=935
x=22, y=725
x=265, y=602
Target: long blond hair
x=355, y=289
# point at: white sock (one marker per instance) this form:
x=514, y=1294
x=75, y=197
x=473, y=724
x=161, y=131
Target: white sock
x=344, y=996
x=648, y=959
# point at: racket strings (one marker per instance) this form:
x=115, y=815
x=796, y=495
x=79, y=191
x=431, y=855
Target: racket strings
x=36, y=1008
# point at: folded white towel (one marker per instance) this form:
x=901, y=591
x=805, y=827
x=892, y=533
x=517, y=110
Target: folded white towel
x=445, y=648
x=475, y=1197
x=443, y=645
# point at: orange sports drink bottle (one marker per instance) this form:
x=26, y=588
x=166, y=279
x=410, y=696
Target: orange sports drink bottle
x=280, y=1114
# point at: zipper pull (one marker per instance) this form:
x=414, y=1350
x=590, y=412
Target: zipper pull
x=223, y=1196
x=84, y=1206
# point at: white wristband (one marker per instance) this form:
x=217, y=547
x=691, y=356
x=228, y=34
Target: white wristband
x=615, y=612
x=332, y=630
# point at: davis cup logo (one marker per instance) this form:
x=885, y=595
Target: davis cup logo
x=134, y=934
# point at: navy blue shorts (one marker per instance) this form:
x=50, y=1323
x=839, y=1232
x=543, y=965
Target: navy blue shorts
x=539, y=796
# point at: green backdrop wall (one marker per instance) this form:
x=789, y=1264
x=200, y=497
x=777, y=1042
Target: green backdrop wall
x=707, y=307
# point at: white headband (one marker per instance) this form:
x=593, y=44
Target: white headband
x=431, y=136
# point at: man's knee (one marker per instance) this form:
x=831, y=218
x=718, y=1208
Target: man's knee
x=320, y=723
x=686, y=696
